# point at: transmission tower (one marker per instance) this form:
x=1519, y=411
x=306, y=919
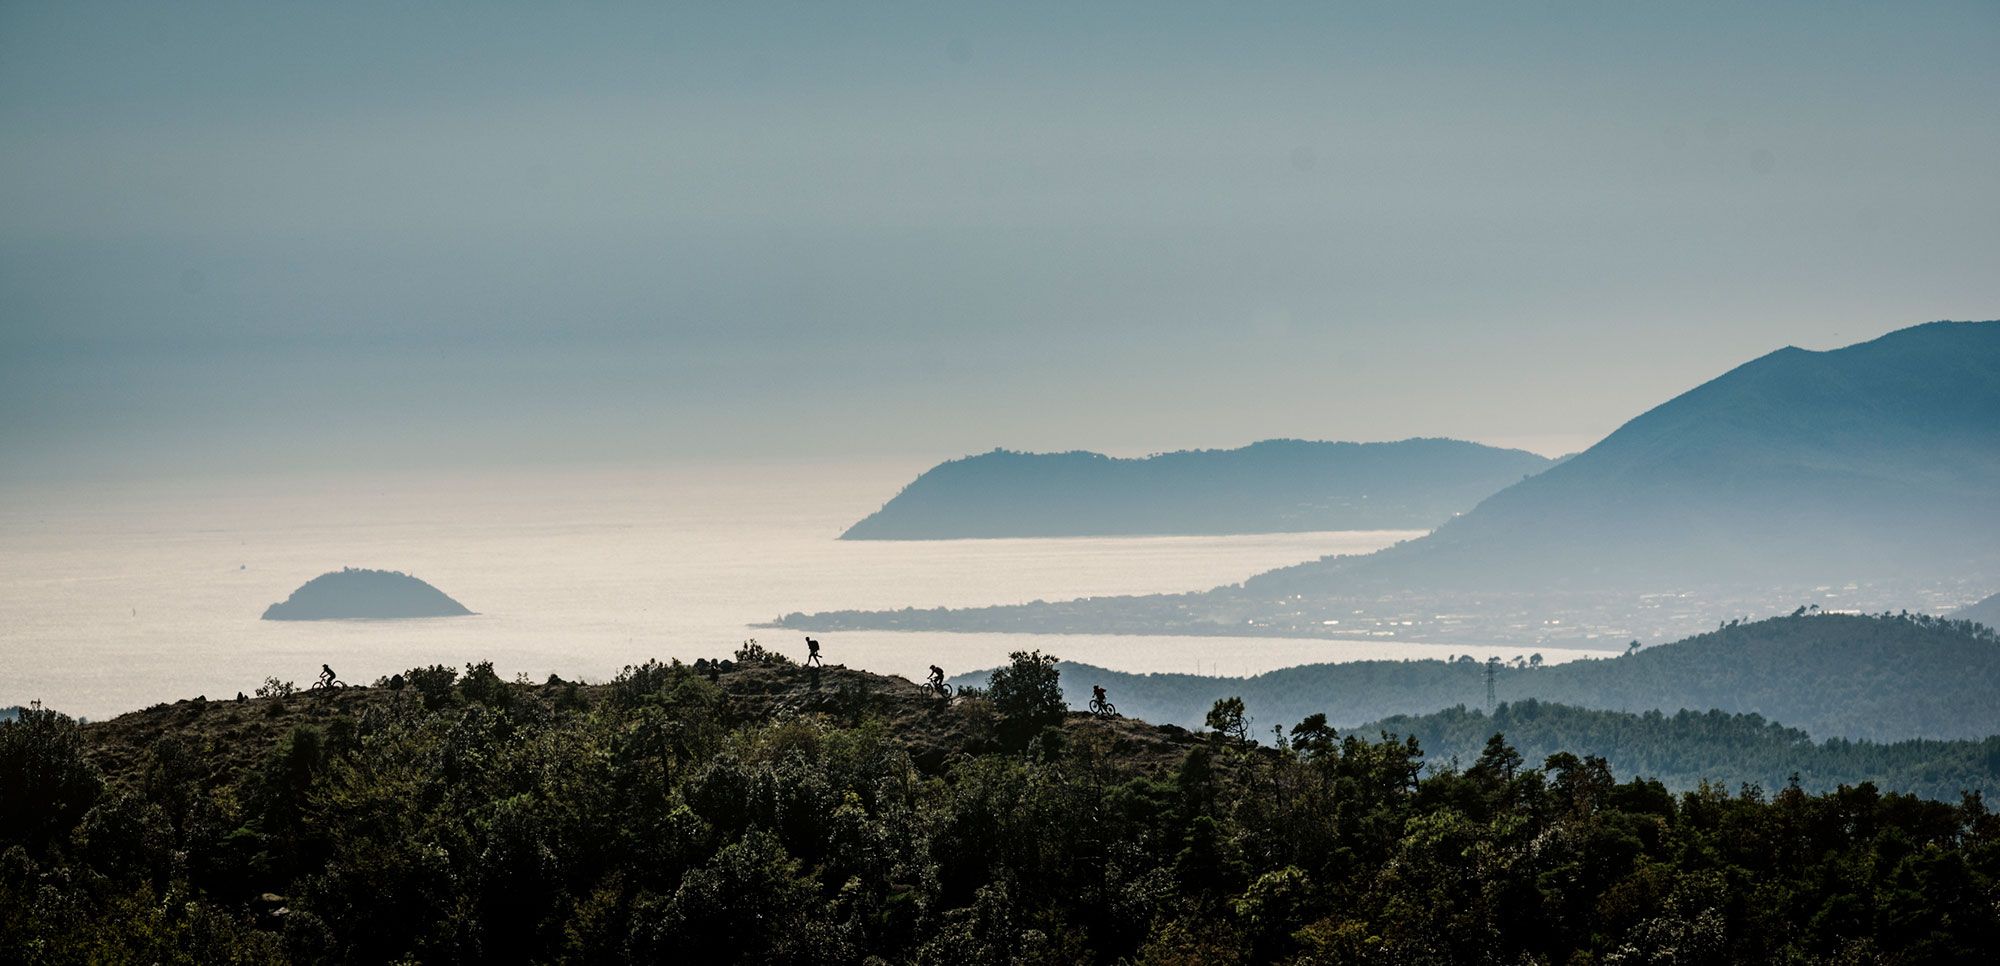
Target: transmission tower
x=1492, y=669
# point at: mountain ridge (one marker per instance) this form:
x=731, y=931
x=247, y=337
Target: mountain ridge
x=1620, y=511
x=1986, y=611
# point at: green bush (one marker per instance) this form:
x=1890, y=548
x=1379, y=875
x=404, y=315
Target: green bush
x=753, y=653
x=434, y=684
x=1027, y=694
x=637, y=682
x=482, y=686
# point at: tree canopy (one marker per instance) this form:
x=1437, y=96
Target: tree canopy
x=758, y=818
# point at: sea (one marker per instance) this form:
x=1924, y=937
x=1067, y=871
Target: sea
x=119, y=595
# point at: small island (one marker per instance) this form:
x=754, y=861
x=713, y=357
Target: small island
x=351, y=594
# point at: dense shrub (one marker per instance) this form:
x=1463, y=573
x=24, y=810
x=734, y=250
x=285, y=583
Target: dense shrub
x=45, y=782
x=757, y=655
x=482, y=685
x=434, y=684
x=637, y=682
x=1027, y=693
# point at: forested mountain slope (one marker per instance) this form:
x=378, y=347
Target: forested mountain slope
x=1881, y=677
x=1685, y=748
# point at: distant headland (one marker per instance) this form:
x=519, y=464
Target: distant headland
x=1985, y=612
x=1276, y=486
x=1863, y=472
x=351, y=594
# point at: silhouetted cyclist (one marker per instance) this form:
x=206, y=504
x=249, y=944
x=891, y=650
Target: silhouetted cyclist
x=326, y=682
x=935, y=683
x=812, y=652
x=1098, y=705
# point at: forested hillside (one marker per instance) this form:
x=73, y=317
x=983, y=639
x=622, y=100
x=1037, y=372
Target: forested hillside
x=1882, y=677
x=760, y=813
x=1686, y=748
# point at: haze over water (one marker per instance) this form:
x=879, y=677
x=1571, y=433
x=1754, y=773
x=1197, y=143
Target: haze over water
x=119, y=597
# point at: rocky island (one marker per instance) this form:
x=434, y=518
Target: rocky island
x=352, y=594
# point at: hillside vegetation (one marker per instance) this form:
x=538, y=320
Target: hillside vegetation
x=762, y=813
x=1275, y=486
x=1686, y=748
x=1881, y=677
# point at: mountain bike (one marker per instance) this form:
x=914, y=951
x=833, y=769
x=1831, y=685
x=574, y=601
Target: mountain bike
x=939, y=690
x=1103, y=708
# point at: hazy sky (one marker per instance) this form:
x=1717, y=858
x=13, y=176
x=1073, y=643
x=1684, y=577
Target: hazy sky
x=260, y=235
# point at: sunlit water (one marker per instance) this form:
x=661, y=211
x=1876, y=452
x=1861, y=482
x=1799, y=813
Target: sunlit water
x=113, y=598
